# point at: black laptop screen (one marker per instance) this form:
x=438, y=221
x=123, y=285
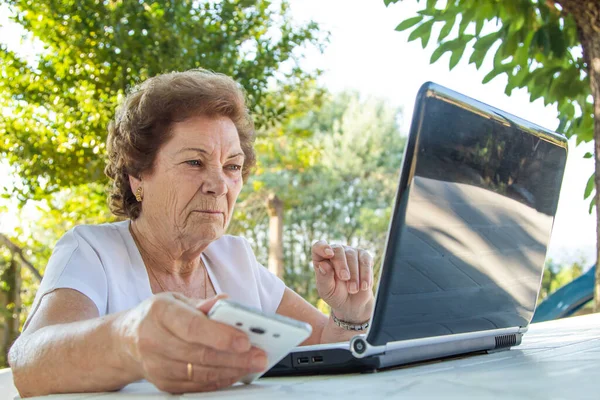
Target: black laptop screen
x=472, y=225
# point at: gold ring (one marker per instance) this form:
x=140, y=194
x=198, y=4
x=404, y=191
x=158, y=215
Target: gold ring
x=190, y=371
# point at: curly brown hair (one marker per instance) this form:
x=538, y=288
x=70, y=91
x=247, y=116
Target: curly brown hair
x=143, y=120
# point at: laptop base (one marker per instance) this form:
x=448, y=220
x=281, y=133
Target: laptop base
x=340, y=361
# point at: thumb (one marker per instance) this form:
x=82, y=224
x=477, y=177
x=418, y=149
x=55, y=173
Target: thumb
x=205, y=305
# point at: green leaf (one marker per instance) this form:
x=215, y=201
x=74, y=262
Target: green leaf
x=544, y=10
x=477, y=58
x=450, y=45
x=466, y=18
x=521, y=56
x=565, y=85
x=589, y=187
x=541, y=41
x=478, y=26
x=486, y=10
x=425, y=37
x=447, y=28
x=509, y=45
x=484, y=43
x=592, y=205
x=562, y=125
x=388, y=2
x=437, y=53
x=557, y=41
x=566, y=109
x=516, y=24
x=456, y=56
x=423, y=32
x=430, y=4
x=496, y=71
x=407, y=23
x=517, y=79
x=588, y=155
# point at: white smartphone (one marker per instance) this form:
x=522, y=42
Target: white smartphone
x=275, y=334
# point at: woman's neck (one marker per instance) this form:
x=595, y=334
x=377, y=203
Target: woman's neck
x=162, y=253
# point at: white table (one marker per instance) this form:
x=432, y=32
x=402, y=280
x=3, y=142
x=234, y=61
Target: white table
x=557, y=360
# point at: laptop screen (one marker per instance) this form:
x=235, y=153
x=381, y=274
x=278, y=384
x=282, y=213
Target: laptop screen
x=472, y=222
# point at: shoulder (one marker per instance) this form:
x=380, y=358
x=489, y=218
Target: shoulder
x=96, y=236
x=230, y=247
x=230, y=242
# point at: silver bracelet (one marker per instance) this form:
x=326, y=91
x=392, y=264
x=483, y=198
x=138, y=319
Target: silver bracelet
x=348, y=325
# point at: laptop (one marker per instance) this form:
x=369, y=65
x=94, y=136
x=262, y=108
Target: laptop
x=467, y=240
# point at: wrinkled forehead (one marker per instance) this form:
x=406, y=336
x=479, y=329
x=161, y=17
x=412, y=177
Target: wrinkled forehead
x=209, y=133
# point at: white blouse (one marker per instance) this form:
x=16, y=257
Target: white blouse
x=103, y=263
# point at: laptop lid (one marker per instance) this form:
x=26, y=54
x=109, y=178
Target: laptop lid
x=473, y=214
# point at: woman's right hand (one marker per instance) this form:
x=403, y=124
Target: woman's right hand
x=166, y=332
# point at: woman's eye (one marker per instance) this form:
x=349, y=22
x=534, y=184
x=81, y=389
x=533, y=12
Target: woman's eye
x=193, y=162
x=234, y=167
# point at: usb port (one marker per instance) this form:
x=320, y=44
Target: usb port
x=317, y=359
x=302, y=360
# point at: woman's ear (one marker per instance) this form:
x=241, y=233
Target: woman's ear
x=134, y=183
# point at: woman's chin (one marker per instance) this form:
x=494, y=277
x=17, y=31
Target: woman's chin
x=206, y=232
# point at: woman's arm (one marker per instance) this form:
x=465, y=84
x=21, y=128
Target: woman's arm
x=324, y=329
x=167, y=339
x=66, y=345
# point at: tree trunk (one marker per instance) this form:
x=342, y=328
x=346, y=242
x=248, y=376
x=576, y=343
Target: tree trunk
x=10, y=306
x=275, y=210
x=16, y=250
x=587, y=17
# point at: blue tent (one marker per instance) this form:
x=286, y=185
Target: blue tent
x=568, y=299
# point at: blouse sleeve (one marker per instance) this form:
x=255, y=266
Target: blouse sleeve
x=74, y=264
x=270, y=287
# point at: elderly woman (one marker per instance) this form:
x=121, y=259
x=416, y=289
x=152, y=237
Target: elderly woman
x=127, y=301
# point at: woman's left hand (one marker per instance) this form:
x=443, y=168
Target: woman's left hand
x=344, y=277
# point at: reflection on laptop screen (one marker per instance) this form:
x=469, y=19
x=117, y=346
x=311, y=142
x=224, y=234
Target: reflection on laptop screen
x=478, y=211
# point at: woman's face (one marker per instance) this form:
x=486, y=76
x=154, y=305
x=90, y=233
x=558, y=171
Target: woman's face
x=196, y=179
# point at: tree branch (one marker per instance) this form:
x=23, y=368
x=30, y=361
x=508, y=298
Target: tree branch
x=17, y=250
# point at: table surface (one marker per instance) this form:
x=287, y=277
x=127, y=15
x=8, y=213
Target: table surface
x=557, y=360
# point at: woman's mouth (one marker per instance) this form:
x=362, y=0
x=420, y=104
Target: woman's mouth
x=216, y=212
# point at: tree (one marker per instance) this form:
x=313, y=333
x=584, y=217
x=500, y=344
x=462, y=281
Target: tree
x=556, y=276
x=56, y=103
x=549, y=47
x=60, y=104
x=334, y=169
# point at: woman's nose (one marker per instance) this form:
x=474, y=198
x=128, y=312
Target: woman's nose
x=214, y=184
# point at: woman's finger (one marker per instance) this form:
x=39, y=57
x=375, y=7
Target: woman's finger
x=171, y=370
x=325, y=279
x=203, y=379
x=339, y=263
x=207, y=304
x=366, y=269
x=321, y=250
x=193, y=326
x=352, y=261
x=173, y=348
